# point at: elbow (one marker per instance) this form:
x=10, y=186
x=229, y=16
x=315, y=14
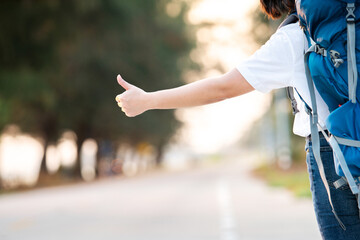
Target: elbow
x=233, y=84
x=225, y=89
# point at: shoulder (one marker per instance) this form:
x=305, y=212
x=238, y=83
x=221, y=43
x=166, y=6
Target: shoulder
x=291, y=40
x=293, y=34
x=273, y=65
x=287, y=38
x=290, y=29
x=286, y=43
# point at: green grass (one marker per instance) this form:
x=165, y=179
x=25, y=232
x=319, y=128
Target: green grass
x=295, y=179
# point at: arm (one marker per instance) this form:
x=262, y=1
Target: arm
x=135, y=101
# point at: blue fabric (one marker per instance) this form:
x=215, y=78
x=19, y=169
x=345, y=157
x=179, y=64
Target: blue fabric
x=344, y=123
x=325, y=22
x=345, y=203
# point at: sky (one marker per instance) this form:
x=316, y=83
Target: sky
x=208, y=129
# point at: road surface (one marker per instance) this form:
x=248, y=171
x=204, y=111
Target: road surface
x=220, y=202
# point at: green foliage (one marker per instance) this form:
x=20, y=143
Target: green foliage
x=59, y=61
x=296, y=180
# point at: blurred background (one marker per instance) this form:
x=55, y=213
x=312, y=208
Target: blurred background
x=59, y=121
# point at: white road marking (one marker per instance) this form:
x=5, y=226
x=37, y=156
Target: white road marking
x=227, y=219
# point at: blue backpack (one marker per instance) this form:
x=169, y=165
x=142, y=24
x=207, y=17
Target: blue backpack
x=331, y=64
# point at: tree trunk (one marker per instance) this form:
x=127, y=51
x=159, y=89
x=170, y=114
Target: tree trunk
x=43, y=168
x=159, y=155
x=77, y=168
x=49, y=132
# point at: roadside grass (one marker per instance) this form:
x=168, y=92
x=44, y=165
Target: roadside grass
x=295, y=179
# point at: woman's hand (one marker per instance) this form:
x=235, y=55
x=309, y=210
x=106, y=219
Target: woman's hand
x=133, y=101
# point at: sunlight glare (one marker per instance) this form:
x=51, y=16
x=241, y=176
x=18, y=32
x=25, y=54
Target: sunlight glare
x=68, y=149
x=88, y=159
x=52, y=159
x=20, y=160
x=223, y=41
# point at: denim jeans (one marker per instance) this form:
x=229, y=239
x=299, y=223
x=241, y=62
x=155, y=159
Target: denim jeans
x=345, y=203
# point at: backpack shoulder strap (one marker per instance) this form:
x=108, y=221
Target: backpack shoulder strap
x=315, y=131
x=291, y=18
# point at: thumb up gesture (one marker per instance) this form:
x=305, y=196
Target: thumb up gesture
x=133, y=101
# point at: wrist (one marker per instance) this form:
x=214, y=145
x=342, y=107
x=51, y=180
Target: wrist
x=150, y=101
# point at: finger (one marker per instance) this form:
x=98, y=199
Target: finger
x=123, y=83
x=120, y=104
x=118, y=98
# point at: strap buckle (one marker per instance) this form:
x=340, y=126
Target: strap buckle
x=335, y=58
x=350, y=17
x=320, y=50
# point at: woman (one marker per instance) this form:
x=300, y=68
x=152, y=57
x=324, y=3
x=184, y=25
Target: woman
x=277, y=64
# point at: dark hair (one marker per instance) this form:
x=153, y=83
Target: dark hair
x=275, y=8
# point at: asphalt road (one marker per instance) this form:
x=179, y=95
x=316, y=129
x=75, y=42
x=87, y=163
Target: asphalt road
x=220, y=202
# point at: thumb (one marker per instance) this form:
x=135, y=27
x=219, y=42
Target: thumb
x=123, y=83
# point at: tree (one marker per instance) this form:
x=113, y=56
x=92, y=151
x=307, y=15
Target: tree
x=60, y=59
x=262, y=26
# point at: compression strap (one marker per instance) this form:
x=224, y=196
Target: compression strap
x=351, y=41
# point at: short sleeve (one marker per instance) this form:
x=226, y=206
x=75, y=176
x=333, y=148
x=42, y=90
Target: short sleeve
x=272, y=66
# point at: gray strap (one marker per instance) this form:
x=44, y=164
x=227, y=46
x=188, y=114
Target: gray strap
x=358, y=200
x=337, y=151
x=291, y=96
x=340, y=182
x=352, y=68
x=347, y=142
x=315, y=132
x=292, y=18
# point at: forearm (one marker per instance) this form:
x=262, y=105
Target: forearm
x=201, y=92
x=193, y=94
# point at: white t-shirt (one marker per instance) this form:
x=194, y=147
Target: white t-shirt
x=280, y=63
